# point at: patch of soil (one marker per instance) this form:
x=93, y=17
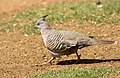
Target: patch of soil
x=22, y=56
x=9, y=7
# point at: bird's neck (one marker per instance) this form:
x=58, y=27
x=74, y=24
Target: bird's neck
x=44, y=33
x=45, y=30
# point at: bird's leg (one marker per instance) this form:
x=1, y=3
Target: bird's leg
x=49, y=61
x=77, y=57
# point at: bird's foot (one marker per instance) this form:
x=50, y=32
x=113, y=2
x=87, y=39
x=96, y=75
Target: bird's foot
x=43, y=64
x=49, y=62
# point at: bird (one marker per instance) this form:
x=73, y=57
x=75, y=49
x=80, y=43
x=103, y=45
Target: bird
x=61, y=42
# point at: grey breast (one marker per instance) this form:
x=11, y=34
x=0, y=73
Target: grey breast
x=54, y=42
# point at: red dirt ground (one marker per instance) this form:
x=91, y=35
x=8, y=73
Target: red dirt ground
x=22, y=56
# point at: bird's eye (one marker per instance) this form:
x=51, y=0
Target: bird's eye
x=38, y=23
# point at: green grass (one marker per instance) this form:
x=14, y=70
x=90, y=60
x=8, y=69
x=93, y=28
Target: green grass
x=79, y=73
x=62, y=12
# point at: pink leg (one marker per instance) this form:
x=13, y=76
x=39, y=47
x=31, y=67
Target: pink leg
x=49, y=61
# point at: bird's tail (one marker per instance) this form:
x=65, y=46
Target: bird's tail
x=105, y=42
x=94, y=42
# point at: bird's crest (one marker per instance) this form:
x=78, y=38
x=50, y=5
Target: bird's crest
x=43, y=18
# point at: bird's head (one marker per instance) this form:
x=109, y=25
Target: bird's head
x=42, y=23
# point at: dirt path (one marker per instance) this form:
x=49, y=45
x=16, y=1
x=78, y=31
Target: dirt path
x=20, y=54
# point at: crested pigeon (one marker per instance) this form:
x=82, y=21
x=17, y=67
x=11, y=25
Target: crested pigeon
x=59, y=42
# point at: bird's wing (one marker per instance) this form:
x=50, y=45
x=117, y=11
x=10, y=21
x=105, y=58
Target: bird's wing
x=67, y=44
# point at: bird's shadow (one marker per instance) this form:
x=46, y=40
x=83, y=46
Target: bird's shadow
x=85, y=61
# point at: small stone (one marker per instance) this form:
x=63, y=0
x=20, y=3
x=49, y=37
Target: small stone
x=26, y=35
